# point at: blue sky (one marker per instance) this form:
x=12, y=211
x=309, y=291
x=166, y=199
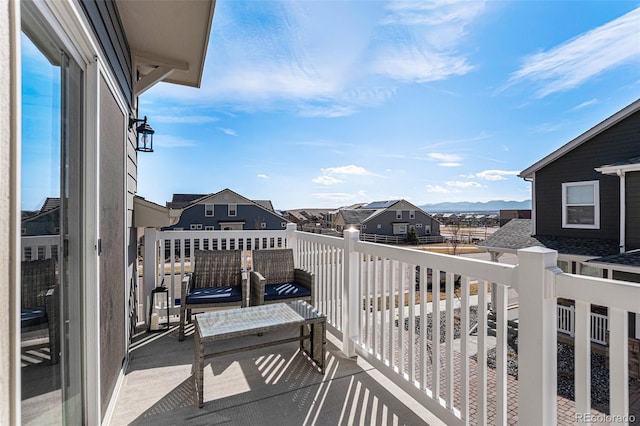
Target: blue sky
x=328, y=103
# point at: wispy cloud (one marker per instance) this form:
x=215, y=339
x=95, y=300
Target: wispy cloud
x=168, y=141
x=446, y=160
x=574, y=62
x=465, y=185
x=351, y=169
x=184, y=118
x=492, y=175
x=328, y=111
x=326, y=180
x=229, y=132
x=290, y=58
x=263, y=176
x=584, y=105
x=441, y=189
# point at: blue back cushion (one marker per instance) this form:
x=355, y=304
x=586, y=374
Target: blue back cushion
x=215, y=295
x=33, y=316
x=285, y=291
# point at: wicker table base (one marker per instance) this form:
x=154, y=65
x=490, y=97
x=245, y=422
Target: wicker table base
x=216, y=326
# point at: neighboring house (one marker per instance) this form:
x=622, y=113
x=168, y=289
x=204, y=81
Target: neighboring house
x=224, y=210
x=507, y=215
x=394, y=218
x=586, y=204
x=44, y=222
x=96, y=58
x=309, y=218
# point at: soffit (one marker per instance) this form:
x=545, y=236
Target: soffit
x=176, y=30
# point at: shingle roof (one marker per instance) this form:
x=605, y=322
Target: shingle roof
x=179, y=201
x=266, y=204
x=631, y=258
x=516, y=234
x=356, y=216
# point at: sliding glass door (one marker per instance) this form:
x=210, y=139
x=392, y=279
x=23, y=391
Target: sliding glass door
x=51, y=196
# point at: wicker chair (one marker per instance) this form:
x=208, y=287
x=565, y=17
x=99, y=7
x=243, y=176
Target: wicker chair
x=216, y=280
x=39, y=307
x=274, y=279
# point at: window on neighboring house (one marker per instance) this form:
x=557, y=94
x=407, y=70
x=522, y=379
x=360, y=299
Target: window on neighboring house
x=399, y=229
x=208, y=210
x=364, y=226
x=581, y=205
x=379, y=226
x=233, y=210
x=195, y=226
x=209, y=228
x=398, y=214
x=283, y=224
x=412, y=214
x=24, y=231
x=263, y=225
x=418, y=225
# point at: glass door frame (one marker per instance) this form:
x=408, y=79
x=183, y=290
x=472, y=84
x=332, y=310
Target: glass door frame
x=59, y=26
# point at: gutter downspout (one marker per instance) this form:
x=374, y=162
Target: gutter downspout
x=623, y=212
x=533, y=202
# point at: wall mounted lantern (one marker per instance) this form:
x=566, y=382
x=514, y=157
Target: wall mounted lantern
x=144, y=134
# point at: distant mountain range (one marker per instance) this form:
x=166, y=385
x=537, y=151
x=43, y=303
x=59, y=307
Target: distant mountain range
x=489, y=206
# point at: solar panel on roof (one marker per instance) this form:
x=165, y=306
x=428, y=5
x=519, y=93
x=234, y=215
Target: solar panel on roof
x=380, y=204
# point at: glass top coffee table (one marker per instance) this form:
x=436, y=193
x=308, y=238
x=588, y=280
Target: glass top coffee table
x=213, y=327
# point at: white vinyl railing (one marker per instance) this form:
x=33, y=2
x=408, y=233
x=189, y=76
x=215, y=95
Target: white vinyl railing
x=40, y=247
x=598, y=327
x=375, y=297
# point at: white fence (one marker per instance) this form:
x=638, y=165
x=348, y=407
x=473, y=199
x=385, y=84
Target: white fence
x=598, y=327
x=40, y=247
x=370, y=295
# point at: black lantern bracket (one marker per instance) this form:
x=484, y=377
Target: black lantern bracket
x=144, y=134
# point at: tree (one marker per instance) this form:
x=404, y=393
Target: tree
x=412, y=236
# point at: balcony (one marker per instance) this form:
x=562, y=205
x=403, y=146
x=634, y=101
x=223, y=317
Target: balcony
x=384, y=364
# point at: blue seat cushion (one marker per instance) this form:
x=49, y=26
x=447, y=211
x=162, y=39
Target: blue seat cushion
x=30, y=317
x=225, y=294
x=285, y=291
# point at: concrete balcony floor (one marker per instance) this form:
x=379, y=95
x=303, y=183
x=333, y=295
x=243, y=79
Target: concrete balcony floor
x=276, y=385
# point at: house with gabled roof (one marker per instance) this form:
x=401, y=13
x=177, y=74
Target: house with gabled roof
x=224, y=210
x=391, y=217
x=586, y=204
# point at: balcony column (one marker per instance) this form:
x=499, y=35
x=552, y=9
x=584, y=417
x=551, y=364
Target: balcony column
x=537, y=336
x=350, y=308
x=150, y=268
x=292, y=242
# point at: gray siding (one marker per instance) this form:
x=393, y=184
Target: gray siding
x=252, y=216
x=633, y=211
x=388, y=218
x=618, y=143
x=105, y=20
x=46, y=224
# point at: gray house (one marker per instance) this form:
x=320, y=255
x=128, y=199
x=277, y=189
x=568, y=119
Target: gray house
x=586, y=204
x=46, y=221
x=224, y=210
x=394, y=218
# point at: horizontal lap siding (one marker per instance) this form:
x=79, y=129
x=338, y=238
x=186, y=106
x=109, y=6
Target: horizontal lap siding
x=618, y=143
x=106, y=24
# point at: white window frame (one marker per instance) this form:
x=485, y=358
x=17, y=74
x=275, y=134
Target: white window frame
x=379, y=226
x=209, y=228
x=232, y=208
x=418, y=225
x=398, y=229
x=206, y=212
x=596, y=205
x=283, y=224
x=412, y=214
x=398, y=214
x=263, y=225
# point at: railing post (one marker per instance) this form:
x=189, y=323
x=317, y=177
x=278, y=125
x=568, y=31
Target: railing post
x=150, y=268
x=292, y=241
x=537, y=337
x=350, y=308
